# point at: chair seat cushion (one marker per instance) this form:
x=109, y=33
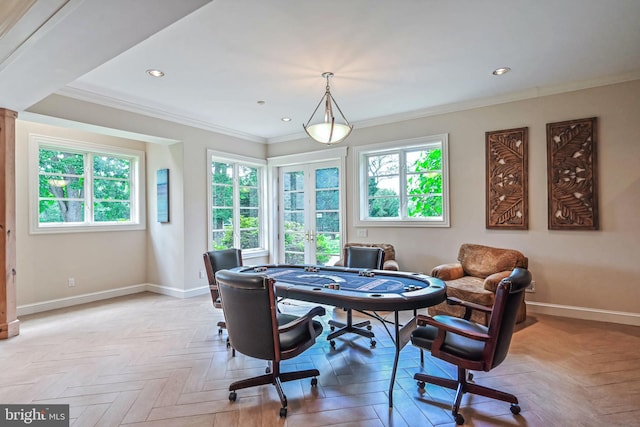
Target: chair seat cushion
x=469, y=288
x=294, y=337
x=454, y=344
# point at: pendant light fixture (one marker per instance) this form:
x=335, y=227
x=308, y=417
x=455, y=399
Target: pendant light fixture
x=327, y=130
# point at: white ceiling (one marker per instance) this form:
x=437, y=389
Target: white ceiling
x=392, y=59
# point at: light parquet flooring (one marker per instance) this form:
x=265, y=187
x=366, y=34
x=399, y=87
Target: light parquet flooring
x=150, y=360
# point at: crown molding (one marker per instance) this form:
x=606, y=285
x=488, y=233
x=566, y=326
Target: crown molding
x=159, y=113
x=84, y=94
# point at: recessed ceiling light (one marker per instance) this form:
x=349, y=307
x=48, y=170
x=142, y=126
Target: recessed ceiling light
x=155, y=73
x=262, y=102
x=501, y=71
x=286, y=119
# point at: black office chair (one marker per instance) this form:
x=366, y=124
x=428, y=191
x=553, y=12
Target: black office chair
x=257, y=330
x=472, y=346
x=220, y=260
x=365, y=258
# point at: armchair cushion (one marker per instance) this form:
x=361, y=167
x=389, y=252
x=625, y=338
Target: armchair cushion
x=481, y=261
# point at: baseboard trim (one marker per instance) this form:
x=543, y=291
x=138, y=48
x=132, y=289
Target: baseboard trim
x=583, y=313
x=176, y=292
x=621, y=317
x=23, y=310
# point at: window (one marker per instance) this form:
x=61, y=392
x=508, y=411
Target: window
x=81, y=186
x=403, y=183
x=237, y=199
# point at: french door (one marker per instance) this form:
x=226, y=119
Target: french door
x=310, y=213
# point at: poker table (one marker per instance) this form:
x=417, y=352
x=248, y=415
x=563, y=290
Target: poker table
x=358, y=289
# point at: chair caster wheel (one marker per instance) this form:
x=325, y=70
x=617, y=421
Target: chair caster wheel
x=368, y=327
x=459, y=419
x=219, y=331
x=515, y=408
x=228, y=345
x=421, y=385
x=233, y=396
x=373, y=343
x=470, y=376
x=314, y=382
x=283, y=412
x=333, y=344
x=267, y=370
x=332, y=328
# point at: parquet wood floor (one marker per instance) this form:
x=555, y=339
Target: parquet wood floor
x=151, y=360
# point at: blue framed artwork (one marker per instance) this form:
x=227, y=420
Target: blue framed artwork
x=162, y=185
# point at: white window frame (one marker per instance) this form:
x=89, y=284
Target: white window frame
x=275, y=163
x=261, y=165
x=138, y=195
x=360, y=203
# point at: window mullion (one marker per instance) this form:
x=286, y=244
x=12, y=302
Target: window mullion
x=236, y=205
x=88, y=188
x=403, y=185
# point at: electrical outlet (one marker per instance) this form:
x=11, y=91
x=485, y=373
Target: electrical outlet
x=72, y=282
x=532, y=287
x=362, y=232
x=202, y=274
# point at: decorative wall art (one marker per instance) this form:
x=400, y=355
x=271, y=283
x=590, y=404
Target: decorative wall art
x=506, y=153
x=572, y=175
x=162, y=186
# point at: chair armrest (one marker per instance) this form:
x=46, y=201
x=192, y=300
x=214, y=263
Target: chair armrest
x=391, y=264
x=492, y=281
x=468, y=305
x=446, y=272
x=339, y=263
x=428, y=320
x=307, y=318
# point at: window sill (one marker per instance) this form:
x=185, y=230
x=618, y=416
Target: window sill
x=86, y=228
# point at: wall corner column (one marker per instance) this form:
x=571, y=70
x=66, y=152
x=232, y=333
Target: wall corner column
x=9, y=323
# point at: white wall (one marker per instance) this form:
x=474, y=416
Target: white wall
x=598, y=270
x=98, y=261
x=175, y=249
x=590, y=274
x=165, y=241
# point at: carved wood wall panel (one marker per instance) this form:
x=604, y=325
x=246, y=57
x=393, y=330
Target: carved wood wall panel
x=507, y=192
x=572, y=175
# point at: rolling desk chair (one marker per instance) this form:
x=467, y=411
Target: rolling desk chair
x=470, y=345
x=357, y=257
x=257, y=330
x=220, y=260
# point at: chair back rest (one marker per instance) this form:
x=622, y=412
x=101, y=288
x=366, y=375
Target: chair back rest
x=250, y=313
x=364, y=257
x=509, y=296
x=482, y=261
x=221, y=260
x=389, y=250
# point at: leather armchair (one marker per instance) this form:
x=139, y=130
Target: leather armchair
x=475, y=277
x=389, y=263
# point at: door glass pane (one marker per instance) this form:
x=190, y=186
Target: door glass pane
x=294, y=201
x=327, y=199
x=327, y=216
x=327, y=178
x=294, y=181
x=294, y=228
